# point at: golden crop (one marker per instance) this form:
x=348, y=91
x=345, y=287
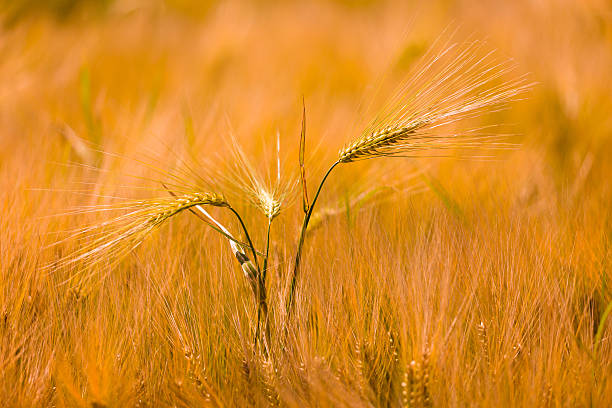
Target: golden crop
x=459, y=254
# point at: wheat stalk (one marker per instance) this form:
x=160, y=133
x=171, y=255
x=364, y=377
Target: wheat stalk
x=460, y=82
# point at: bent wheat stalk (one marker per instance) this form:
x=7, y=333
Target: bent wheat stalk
x=247, y=266
x=115, y=238
x=251, y=272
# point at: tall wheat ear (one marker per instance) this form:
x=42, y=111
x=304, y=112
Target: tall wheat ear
x=462, y=81
x=428, y=116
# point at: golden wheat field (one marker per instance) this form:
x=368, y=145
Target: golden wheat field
x=166, y=238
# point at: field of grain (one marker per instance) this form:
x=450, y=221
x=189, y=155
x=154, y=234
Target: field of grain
x=462, y=280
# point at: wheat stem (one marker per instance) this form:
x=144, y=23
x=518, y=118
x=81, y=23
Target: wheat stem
x=248, y=238
x=260, y=292
x=263, y=286
x=265, y=262
x=298, y=255
x=258, y=286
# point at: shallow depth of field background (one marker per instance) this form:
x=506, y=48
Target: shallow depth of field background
x=494, y=279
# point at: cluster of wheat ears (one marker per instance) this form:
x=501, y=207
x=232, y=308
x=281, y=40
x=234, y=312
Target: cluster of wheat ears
x=430, y=115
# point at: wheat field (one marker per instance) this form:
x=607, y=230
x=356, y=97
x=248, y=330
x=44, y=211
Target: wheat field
x=137, y=136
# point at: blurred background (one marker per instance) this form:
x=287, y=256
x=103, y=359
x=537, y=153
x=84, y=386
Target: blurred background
x=110, y=71
x=145, y=77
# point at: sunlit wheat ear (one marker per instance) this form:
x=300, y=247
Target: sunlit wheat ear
x=269, y=204
x=112, y=239
x=447, y=87
x=178, y=204
x=270, y=195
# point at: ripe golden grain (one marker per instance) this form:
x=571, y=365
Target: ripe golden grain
x=112, y=239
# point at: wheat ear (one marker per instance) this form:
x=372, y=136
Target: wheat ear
x=115, y=238
x=456, y=83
